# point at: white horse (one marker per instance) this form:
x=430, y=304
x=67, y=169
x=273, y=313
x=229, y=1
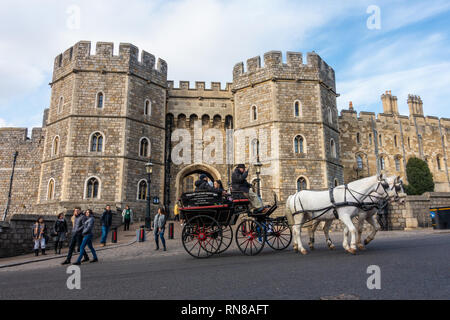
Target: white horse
x=323, y=205
x=395, y=188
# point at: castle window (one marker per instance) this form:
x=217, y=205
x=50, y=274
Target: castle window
x=254, y=113
x=336, y=182
x=147, y=108
x=142, y=190
x=299, y=144
x=380, y=140
x=370, y=138
x=359, y=162
x=96, y=142
x=438, y=162
x=51, y=189
x=297, y=108
x=333, y=148
x=229, y=122
x=100, y=99
x=255, y=150
x=395, y=141
x=302, y=184
x=330, y=116
x=92, y=188
x=358, y=138
x=192, y=120
x=60, y=104
x=144, y=147
x=205, y=120
x=382, y=163
x=397, y=163
x=409, y=143
x=55, y=146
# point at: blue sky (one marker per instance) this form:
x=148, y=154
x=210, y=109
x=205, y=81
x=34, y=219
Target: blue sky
x=202, y=40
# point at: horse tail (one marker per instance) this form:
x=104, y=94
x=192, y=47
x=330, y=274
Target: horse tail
x=288, y=213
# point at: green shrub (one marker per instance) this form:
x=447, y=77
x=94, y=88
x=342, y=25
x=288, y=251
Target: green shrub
x=419, y=177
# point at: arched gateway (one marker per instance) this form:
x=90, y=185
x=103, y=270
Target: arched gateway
x=185, y=179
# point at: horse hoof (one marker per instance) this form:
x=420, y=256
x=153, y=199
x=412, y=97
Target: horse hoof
x=295, y=248
x=351, y=250
x=304, y=252
x=311, y=247
x=331, y=247
x=366, y=242
x=361, y=247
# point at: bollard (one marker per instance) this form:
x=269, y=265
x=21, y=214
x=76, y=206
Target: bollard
x=114, y=235
x=171, y=230
x=140, y=234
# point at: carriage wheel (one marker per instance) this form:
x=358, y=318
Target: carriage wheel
x=250, y=237
x=278, y=235
x=201, y=236
x=227, y=238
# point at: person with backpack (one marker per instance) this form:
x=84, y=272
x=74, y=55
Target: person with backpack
x=127, y=217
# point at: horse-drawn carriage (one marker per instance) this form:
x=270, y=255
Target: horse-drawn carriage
x=209, y=217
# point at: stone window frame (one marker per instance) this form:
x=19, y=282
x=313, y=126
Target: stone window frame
x=254, y=149
x=335, y=182
x=305, y=146
x=329, y=115
x=300, y=109
x=103, y=100
x=103, y=141
x=439, y=165
x=358, y=138
x=370, y=139
x=306, y=180
x=148, y=149
x=395, y=141
x=398, y=163
x=360, y=156
x=138, y=189
x=380, y=140
x=148, y=111
x=52, y=197
x=382, y=161
x=254, y=113
x=53, y=152
x=99, y=193
x=60, y=104
x=333, y=148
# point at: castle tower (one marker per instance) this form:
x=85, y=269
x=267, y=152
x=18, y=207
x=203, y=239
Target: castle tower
x=389, y=103
x=291, y=110
x=415, y=105
x=106, y=120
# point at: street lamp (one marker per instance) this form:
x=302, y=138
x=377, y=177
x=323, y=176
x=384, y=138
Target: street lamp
x=149, y=170
x=258, y=166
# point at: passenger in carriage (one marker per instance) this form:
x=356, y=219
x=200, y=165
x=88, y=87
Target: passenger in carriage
x=202, y=184
x=218, y=187
x=239, y=183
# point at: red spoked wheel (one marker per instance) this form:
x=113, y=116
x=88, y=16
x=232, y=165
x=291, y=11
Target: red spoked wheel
x=201, y=236
x=227, y=238
x=250, y=237
x=278, y=234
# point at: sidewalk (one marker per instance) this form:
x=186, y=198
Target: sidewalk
x=125, y=238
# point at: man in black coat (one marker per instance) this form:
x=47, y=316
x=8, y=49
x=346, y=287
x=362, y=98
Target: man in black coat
x=77, y=236
x=106, y=221
x=239, y=183
x=202, y=184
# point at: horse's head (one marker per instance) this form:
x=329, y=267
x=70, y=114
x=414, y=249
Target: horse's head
x=382, y=186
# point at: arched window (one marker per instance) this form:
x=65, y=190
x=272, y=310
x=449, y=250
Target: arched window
x=302, y=184
x=380, y=140
x=409, y=143
x=92, y=188
x=55, y=146
x=397, y=163
x=254, y=113
x=359, y=162
x=229, y=122
x=299, y=144
x=330, y=115
x=144, y=147
x=395, y=141
x=147, y=108
x=60, y=104
x=142, y=190
x=370, y=138
x=51, y=189
x=96, y=142
x=193, y=117
x=382, y=163
x=100, y=100
x=333, y=148
x=438, y=162
x=297, y=108
x=358, y=138
x=255, y=150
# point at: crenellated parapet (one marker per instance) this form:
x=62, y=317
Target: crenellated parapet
x=315, y=69
x=199, y=91
x=78, y=58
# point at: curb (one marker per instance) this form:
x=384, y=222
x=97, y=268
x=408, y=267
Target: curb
x=14, y=264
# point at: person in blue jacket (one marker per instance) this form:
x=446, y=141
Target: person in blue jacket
x=88, y=228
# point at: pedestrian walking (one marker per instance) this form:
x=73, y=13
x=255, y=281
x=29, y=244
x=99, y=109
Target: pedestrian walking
x=159, y=226
x=39, y=236
x=106, y=220
x=127, y=217
x=87, y=233
x=78, y=220
x=176, y=211
x=60, y=232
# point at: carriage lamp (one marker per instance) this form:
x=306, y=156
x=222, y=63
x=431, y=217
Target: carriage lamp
x=148, y=219
x=258, y=166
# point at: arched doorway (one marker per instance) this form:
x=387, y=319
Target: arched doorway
x=186, y=178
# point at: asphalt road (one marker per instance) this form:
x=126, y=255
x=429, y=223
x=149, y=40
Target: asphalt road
x=413, y=267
